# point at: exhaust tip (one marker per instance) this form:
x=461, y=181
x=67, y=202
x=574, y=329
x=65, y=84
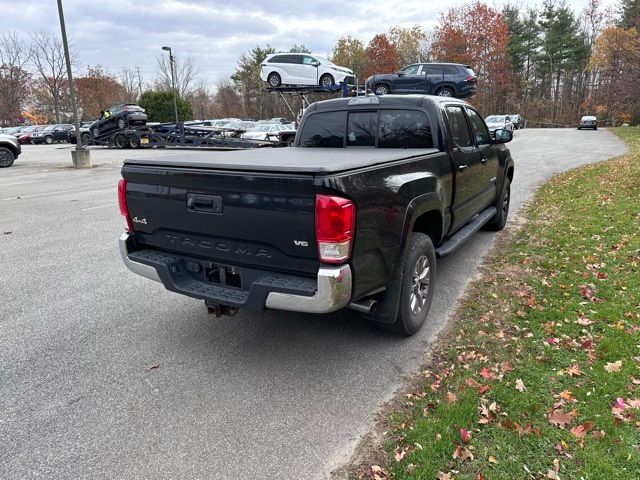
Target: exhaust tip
x=367, y=306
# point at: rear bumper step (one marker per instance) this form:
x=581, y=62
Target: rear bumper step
x=330, y=291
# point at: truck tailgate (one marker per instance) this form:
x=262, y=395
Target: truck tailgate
x=235, y=218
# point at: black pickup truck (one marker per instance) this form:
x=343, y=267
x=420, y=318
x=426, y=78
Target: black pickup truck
x=354, y=215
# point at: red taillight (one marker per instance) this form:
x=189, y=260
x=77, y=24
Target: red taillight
x=470, y=79
x=335, y=221
x=122, y=201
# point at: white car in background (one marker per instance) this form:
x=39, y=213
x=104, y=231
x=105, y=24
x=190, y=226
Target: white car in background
x=303, y=69
x=495, y=122
x=267, y=131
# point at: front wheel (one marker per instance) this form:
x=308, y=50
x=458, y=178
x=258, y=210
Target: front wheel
x=418, y=282
x=86, y=138
x=498, y=222
x=121, y=123
x=274, y=79
x=326, y=80
x=95, y=132
x=445, y=92
x=48, y=139
x=120, y=141
x=6, y=157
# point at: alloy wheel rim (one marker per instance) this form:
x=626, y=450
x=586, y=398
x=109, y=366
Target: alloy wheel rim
x=420, y=285
x=381, y=91
x=5, y=158
x=505, y=202
x=444, y=93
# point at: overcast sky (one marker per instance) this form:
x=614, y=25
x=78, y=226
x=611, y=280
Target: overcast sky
x=118, y=33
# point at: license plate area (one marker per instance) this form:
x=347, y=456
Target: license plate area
x=222, y=275
x=144, y=140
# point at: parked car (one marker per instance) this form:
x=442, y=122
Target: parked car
x=117, y=118
x=355, y=227
x=443, y=79
x=51, y=134
x=267, y=131
x=588, y=121
x=303, y=69
x=517, y=120
x=24, y=134
x=495, y=122
x=85, y=132
x=10, y=149
x=11, y=130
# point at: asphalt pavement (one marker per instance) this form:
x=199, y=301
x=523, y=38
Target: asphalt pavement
x=104, y=374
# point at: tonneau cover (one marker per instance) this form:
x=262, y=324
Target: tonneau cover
x=286, y=159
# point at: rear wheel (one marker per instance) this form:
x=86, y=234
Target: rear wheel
x=381, y=89
x=134, y=142
x=95, y=132
x=86, y=138
x=418, y=281
x=274, y=79
x=48, y=139
x=445, y=92
x=326, y=80
x=6, y=157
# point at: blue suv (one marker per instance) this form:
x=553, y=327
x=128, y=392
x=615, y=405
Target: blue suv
x=443, y=79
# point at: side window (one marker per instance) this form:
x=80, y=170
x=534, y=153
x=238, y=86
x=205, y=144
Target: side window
x=297, y=59
x=458, y=126
x=479, y=128
x=411, y=70
x=324, y=130
x=276, y=59
x=404, y=129
x=361, y=129
x=307, y=60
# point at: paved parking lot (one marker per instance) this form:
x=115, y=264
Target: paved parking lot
x=273, y=395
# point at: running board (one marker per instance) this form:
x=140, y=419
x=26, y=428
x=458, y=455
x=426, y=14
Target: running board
x=462, y=235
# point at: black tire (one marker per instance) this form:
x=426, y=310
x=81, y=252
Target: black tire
x=445, y=92
x=134, y=142
x=48, y=139
x=120, y=141
x=6, y=157
x=95, y=132
x=499, y=220
x=121, y=123
x=86, y=139
x=381, y=89
x=274, y=79
x=595, y=128
x=291, y=141
x=417, y=285
x=326, y=80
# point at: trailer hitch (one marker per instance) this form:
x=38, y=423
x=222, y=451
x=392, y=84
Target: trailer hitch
x=217, y=310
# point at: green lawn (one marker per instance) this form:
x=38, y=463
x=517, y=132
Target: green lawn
x=540, y=376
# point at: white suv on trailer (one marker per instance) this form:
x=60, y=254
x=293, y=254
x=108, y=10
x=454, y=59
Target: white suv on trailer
x=303, y=69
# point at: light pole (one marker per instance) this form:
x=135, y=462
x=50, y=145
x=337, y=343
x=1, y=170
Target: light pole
x=173, y=84
x=80, y=157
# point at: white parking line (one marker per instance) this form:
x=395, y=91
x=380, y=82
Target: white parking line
x=99, y=206
x=59, y=191
x=22, y=183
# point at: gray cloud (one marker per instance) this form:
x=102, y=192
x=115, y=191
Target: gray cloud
x=129, y=33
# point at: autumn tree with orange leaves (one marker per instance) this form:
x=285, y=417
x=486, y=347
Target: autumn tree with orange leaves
x=382, y=56
x=477, y=35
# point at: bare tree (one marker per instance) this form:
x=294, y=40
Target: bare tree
x=47, y=55
x=226, y=101
x=131, y=82
x=201, y=101
x=186, y=72
x=14, y=78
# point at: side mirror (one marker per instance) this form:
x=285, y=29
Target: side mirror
x=400, y=74
x=503, y=135
x=315, y=63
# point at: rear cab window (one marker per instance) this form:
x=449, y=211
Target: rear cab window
x=384, y=128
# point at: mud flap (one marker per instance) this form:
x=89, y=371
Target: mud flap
x=388, y=302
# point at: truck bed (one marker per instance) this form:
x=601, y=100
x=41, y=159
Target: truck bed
x=286, y=160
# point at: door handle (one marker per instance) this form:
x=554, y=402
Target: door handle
x=484, y=160
x=462, y=168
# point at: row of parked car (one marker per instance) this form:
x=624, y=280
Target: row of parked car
x=39, y=133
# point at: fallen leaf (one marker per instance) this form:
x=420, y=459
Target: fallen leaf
x=520, y=386
x=566, y=395
x=465, y=435
x=462, y=453
x=487, y=374
x=410, y=468
x=400, y=455
x=574, y=370
x=444, y=476
x=152, y=367
x=584, y=321
x=559, y=418
x=613, y=367
x=492, y=459
x=451, y=397
x=578, y=431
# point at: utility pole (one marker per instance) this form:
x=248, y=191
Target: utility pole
x=139, y=83
x=173, y=84
x=80, y=156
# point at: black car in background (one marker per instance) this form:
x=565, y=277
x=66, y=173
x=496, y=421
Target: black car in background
x=117, y=118
x=443, y=79
x=588, y=121
x=51, y=134
x=84, y=132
